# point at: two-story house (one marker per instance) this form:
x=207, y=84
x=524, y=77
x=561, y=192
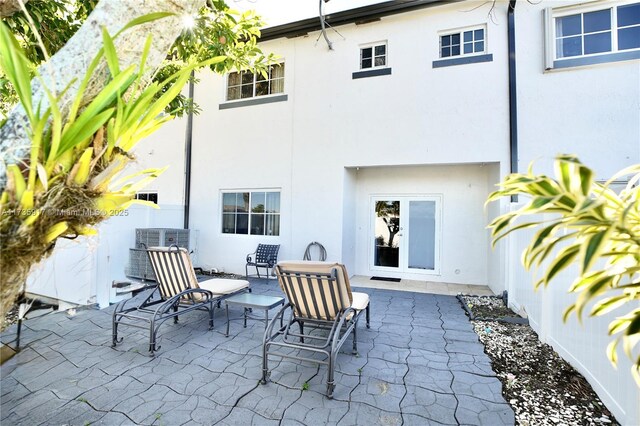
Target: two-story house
x=384, y=147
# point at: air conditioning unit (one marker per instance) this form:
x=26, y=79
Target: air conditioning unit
x=139, y=264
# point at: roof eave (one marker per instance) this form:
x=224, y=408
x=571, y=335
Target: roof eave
x=365, y=13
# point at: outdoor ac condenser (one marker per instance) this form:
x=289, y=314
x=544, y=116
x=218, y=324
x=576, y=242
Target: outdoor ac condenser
x=139, y=264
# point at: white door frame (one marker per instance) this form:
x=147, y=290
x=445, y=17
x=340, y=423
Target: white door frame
x=403, y=268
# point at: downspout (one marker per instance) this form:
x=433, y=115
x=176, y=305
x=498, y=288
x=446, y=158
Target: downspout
x=187, y=154
x=513, y=102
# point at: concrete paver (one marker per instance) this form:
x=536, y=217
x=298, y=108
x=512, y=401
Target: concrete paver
x=420, y=363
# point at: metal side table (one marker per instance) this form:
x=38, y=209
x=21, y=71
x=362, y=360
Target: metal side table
x=253, y=301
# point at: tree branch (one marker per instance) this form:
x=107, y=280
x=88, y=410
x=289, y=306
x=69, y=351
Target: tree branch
x=68, y=66
x=9, y=7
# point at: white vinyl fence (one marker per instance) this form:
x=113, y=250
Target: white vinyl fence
x=582, y=345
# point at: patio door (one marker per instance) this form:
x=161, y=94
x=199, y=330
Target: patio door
x=405, y=234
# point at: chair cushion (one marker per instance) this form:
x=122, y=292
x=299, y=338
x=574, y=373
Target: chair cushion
x=223, y=286
x=360, y=300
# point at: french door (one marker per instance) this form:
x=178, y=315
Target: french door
x=405, y=234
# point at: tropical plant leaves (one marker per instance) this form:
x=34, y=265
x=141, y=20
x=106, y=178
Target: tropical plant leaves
x=581, y=222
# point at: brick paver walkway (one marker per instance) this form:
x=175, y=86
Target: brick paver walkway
x=419, y=364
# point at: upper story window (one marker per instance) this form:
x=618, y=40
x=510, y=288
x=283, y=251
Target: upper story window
x=245, y=84
x=373, y=56
x=591, y=34
x=463, y=42
x=255, y=213
x=148, y=196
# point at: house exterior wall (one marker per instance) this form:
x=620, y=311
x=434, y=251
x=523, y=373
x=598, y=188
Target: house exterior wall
x=591, y=111
x=331, y=124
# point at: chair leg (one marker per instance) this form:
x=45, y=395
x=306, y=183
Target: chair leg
x=246, y=271
x=301, y=324
x=258, y=271
x=368, y=307
x=355, y=339
x=114, y=325
x=211, y=312
x=175, y=310
x=330, y=381
x=265, y=364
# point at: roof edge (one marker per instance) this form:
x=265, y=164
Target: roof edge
x=364, y=13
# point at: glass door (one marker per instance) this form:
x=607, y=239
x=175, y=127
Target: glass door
x=405, y=234
x=387, y=233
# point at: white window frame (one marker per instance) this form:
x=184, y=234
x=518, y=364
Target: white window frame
x=249, y=213
x=461, y=31
x=550, y=15
x=373, y=55
x=253, y=85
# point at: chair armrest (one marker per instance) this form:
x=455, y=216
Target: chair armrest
x=250, y=256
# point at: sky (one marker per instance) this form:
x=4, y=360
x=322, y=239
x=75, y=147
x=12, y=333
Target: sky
x=277, y=12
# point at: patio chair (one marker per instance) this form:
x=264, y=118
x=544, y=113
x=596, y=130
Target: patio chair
x=265, y=256
x=318, y=295
x=177, y=293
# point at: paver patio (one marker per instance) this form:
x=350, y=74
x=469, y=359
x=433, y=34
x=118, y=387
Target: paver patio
x=419, y=364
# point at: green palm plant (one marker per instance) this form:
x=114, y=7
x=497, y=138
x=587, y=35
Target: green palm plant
x=588, y=224
x=71, y=180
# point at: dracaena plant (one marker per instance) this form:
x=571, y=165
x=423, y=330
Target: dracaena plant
x=582, y=222
x=72, y=178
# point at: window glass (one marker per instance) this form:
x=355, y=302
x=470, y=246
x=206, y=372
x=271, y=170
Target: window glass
x=273, y=202
x=228, y=223
x=597, y=43
x=569, y=25
x=257, y=202
x=247, y=85
x=462, y=43
x=629, y=15
x=629, y=38
x=272, y=225
x=570, y=46
x=242, y=223
x=374, y=56
x=234, y=79
x=597, y=21
x=229, y=202
x=257, y=224
x=242, y=202
x=591, y=32
x=254, y=213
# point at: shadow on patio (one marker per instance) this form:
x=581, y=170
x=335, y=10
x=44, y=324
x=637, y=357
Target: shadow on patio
x=420, y=363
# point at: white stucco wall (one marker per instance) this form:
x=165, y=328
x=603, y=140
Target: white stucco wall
x=591, y=111
x=463, y=240
x=332, y=123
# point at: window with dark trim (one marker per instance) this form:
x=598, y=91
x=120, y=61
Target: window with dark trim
x=251, y=213
x=245, y=84
x=373, y=56
x=463, y=42
x=148, y=196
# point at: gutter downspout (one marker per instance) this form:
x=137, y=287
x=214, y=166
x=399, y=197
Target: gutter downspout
x=513, y=103
x=187, y=155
